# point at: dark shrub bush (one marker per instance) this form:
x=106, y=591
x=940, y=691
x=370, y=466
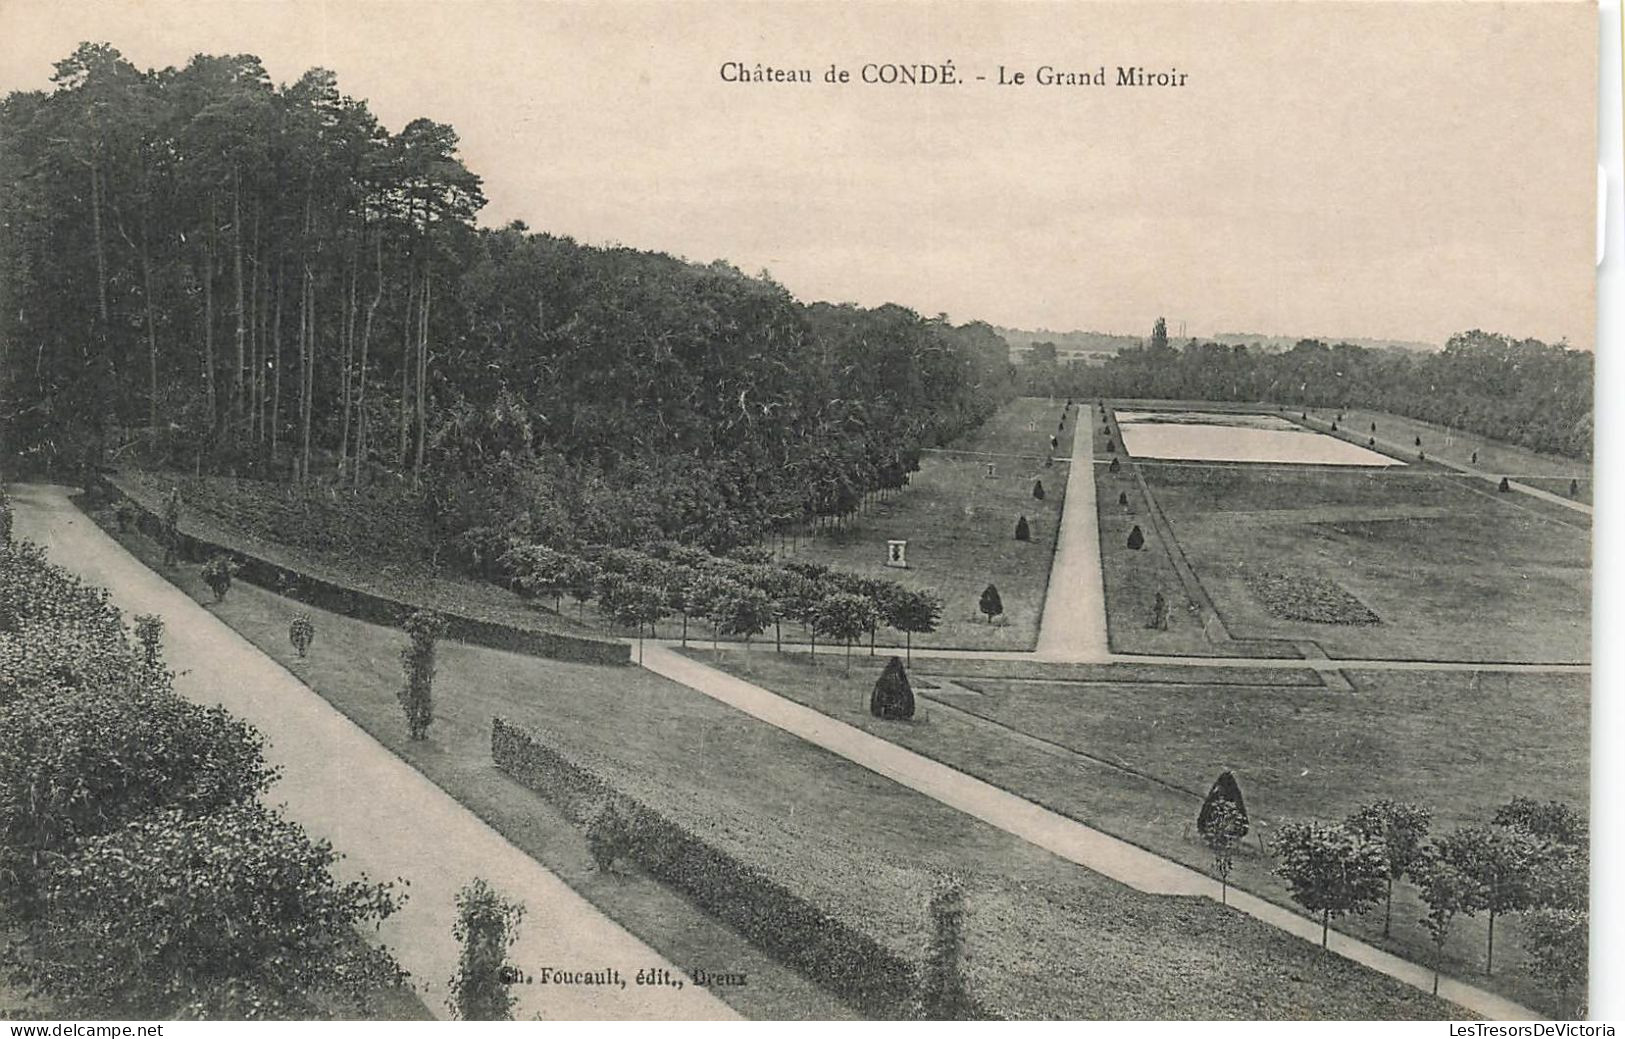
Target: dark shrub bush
x=1136, y=538
x=77, y=763
x=124, y=513
x=990, y=603
x=893, y=698
x=944, y=994
x=1122, y=497
x=1225, y=788
x=301, y=633
x=217, y=574
x=1038, y=489
x=1505, y=486
x=233, y=914
x=1116, y=466
x=1023, y=532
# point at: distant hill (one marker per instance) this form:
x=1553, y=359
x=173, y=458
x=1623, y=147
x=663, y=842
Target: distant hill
x=1074, y=343
x=1268, y=342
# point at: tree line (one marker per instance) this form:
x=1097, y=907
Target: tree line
x=1532, y=859
x=1523, y=391
x=203, y=269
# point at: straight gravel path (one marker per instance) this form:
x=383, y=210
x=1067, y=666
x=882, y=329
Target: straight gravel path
x=385, y=817
x=1073, y=626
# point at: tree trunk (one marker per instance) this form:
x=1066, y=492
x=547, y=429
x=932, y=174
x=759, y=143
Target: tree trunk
x=308, y=390
x=152, y=333
x=406, y=364
x=208, y=318
x=423, y=375
x=1388, y=908
x=361, y=376
x=1325, y=927
x=101, y=248
x=242, y=313
x=276, y=364
x=1489, y=959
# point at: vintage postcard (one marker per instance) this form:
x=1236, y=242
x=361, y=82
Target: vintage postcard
x=780, y=511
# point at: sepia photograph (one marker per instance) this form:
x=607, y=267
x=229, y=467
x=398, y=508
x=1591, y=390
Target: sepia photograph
x=516, y=510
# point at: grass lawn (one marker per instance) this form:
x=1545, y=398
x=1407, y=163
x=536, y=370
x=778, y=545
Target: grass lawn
x=1044, y=937
x=1134, y=577
x=1548, y=472
x=960, y=527
x=1451, y=573
x=1134, y=758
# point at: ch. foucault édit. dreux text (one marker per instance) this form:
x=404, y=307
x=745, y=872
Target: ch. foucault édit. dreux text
x=946, y=74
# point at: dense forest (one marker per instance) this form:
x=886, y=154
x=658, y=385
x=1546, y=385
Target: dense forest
x=1523, y=391
x=201, y=269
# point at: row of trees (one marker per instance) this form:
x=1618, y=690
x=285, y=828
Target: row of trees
x=1523, y=391
x=740, y=596
x=145, y=877
x=1531, y=859
x=205, y=269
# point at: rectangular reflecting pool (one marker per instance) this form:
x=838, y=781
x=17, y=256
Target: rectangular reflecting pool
x=1196, y=436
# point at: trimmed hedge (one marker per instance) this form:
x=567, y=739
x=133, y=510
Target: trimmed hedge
x=853, y=965
x=368, y=606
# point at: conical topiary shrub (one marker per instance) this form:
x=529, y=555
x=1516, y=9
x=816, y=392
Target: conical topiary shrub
x=1122, y=497
x=1038, y=490
x=893, y=698
x=1225, y=788
x=1023, y=532
x=1574, y=488
x=1136, y=539
x=1111, y=446
x=990, y=603
x=1505, y=486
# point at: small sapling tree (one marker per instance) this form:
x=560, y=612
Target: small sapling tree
x=990, y=603
x=911, y=612
x=608, y=837
x=634, y=604
x=301, y=633
x=486, y=928
x=1226, y=826
x=424, y=628
x=1330, y=870
x=943, y=992
x=745, y=613
x=1403, y=830
x=1501, y=863
x=1557, y=940
x=844, y=616
x=1159, y=613
x=149, y=632
x=1447, y=894
x=172, y=527
x=893, y=697
x=1023, y=532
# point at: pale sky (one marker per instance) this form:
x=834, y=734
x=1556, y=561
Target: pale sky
x=1366, y=169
